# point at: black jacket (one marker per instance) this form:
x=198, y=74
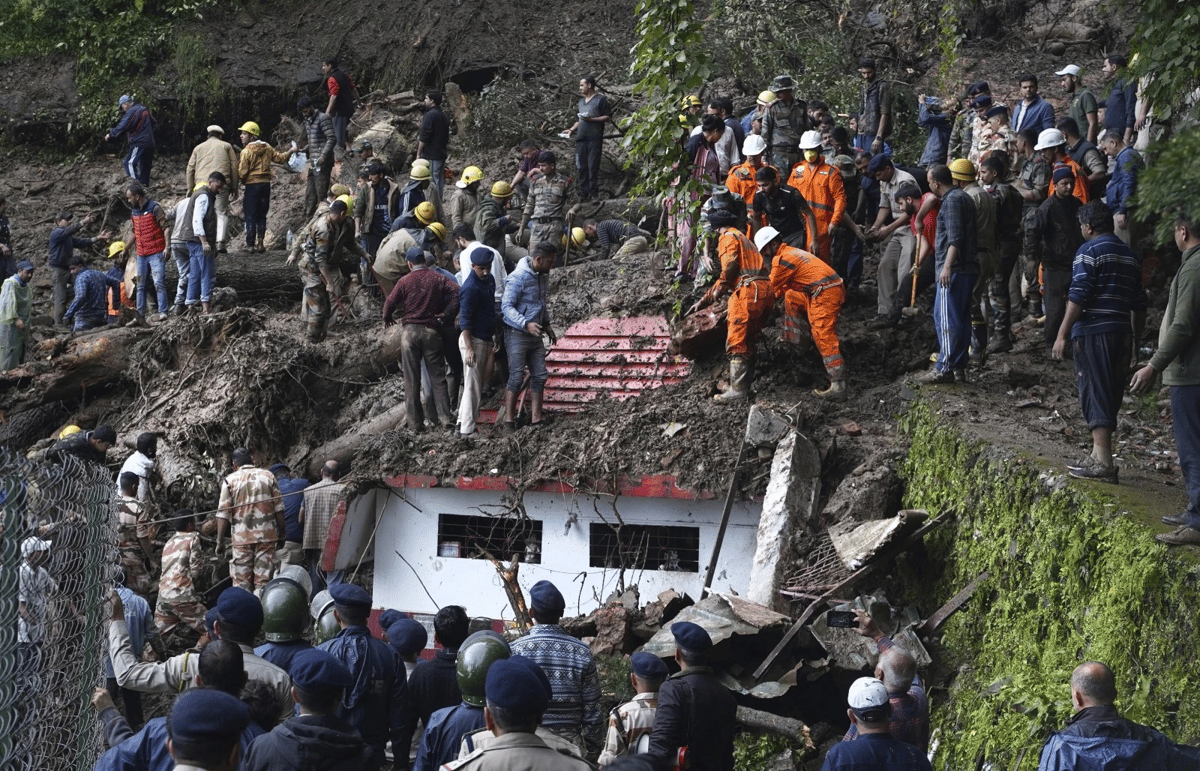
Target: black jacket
x=1054, y=235
x=78, y=444
x=697, y=712
x=308, y=743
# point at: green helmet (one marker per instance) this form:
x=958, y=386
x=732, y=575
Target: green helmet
x=327, y=626
x=475, y=655
x=285, y=610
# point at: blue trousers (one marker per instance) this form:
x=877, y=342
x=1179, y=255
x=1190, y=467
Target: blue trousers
x=137, y=163
x=1185, y=414
x=202, y=274
x=152, y=265
x=952, y=321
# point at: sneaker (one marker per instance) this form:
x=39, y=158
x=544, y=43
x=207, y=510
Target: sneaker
x=1180, y=536
x=1092, y=469
x=1175, y=519
x=935, y=377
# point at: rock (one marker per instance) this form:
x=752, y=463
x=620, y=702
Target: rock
x=765, y=426
x=870, y=491
x=630, y=598
x=783, y=761
x=245, y=20
x=614, y=625
x=673, y=602
x=580, y=626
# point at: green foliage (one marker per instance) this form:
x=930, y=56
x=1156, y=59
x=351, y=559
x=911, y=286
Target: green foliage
x=948, y=38
x=1169, y=183
x=752, y=752
x=196, y=75
x=1166, y=43
x=1067, y=582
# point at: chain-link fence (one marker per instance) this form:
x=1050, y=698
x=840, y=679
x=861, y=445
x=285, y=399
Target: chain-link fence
x=57, y=563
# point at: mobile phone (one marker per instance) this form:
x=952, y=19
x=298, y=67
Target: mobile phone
x=842, y=618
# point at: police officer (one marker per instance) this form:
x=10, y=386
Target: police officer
x=316, y=739
x=694, y=709
x=205, y=727
x=516, y=700
x=409, y=637
x=285, y=620
x=546, y=208
x=449, y=725
x=375, y=702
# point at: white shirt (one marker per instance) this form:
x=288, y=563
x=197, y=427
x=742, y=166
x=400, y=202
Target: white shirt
x=34, y=589
x=728, y=153
x=498, y=271
x=141, y=465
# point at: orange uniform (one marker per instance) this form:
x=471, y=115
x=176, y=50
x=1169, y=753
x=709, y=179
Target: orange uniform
x=812, y=288
x=741, y=181
x=821, y=185
x=1081, y=181
x=744, y=274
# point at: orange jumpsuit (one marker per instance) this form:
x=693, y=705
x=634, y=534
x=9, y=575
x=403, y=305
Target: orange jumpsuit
x=821, y=185
x=744, y=274
x=741, y=181
x=1081, y=191
x=810, y=287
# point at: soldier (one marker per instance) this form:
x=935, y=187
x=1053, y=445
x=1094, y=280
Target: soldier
x=328, y=239
x=250, y=498
x=374, y=703
x=285, y=620
x=177, y=598
x=316, y=739
x=546, y=207
x=449, y=725
x=516, y=701
x=630, y=725
x=133, y=537
x=783, y=123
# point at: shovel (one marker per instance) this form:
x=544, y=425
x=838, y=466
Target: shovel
x=912, y=309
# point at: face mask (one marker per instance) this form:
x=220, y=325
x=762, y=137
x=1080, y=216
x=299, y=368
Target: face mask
x=811, y=155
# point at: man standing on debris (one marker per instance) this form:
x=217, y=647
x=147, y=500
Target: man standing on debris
x=1178, y=359
x=1098, y=737
x=320, y=504
x=574, y=712
x=1127, y=164
x=957, y=268
x=526, y=319
x=250, y=498
x=330, y=237
x=875, y=120
x=133, y=536
x=630, y=724
x=292, y=487
x=320, y=140
x=254, y=169
x=150, y=225
x=1033, y=183
x=62, y=245
x=343, y=96
x=434, y=137
x=477, y=320
x=1105, y=295
x=375, y=702
x=89, y=309
x=898, y=243
x=137, y=124
x=694, y=709
x=784, y=120
x=1082, y=105
x=201, y=235
x=178, y=601
x=546, y=206
x=215, y=154
x=16, y=303
x=593, y=114
x=993, y=175
x=8, y=263
x=821, y=185
x=897, y=669
x=870, y=713
x=1054, y=237
x=963, y=172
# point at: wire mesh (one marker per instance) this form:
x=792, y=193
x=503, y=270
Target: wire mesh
x=53, y=646
x=817, y=571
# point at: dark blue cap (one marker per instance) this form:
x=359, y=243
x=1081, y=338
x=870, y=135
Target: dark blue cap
x=209, y=618
x=350, y=596
x=513, y=685
x=537, y=670
x=544, y=597
x=999, y=109
x=648, y=666
x=279, y=467
x=24, y=265
x=983, y=100
x=389, y=617
x=205, y=714
x=878, y=163
x=238, y=606
x=691, y=637
x=415, y=255
x=481, y=255
x=315, y=670
x=408, y=636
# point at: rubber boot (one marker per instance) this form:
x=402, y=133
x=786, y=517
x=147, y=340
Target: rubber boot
x=739, y=381
x=979, y=344
x=259, y=246
x=836, y=390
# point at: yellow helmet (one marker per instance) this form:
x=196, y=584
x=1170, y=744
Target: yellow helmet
x=348, y=200
x=250, y=127
x=115, y=248
x=437, y=228
x=72, y=429
x=962, y=170
x=578, y=237
x=425, y=212
x=501, y=189
x=339, y=190
x=199, y=185
x=420, y=171
x=470, y=175
x=691, y=101
x=766, y=98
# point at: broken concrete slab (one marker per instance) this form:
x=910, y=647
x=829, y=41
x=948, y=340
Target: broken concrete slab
x=765, y=427
x=851, y=651
x=857, y=543
x=870, y=491
x=722, y=616
x=614, y=631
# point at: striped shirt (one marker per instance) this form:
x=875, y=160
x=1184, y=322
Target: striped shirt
x=568, y=663
x=1106, y=280
x=909, y=721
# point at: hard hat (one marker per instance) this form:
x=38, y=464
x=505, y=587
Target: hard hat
x=284, y=602
x=962, y=170
x=317, y=606
x=338, y=190
x=438, y=230
x=298, y=574
x=348, y=200
x=754, y=145
x=766, y=98
x=327, y=626
x=250, y=127
x=470, y=175
x=68, y=431
x=691, y=101
x=115, y=248
x=477, y=653
x=1050, y=137
x=501, y=189
x=419, y=172
x=578, y=237
x=764, y=236
x=425, y=212
x=810, y=140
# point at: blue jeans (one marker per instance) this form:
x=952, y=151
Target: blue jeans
x=153, y=265
x=952, y=321
x=587, y=159
x=437, y=170
x=137, y=163
x=183, y=267
x=202, y=274
x=1185, y=414
x=524, y=348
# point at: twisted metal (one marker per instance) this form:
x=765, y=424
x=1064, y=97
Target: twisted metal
x=53, y=656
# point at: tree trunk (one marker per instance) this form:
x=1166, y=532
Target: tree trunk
x=793, y=730
x=345, y=447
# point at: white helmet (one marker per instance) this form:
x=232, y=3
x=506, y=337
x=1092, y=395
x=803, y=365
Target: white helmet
x=1050, y=137
x=754, y=145
x=810, y=140
x=765, y=236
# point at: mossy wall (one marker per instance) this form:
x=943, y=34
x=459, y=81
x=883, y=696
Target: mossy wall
x=1070, y=579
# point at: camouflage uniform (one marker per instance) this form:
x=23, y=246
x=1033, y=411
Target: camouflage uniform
x=250, y=498
x=132, y=519
x=177, y=598
x=546, y=209
x=626, y=725
x=324, y=246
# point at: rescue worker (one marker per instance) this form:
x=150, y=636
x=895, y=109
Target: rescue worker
x=285, y=620
x=252, y=506
x=821, y=185
x=783, y=123
x=417, y=231
x=964, y=173
x=178, y=602
x=254, y=169
x=465, y=203
x=546, y=208
x=809, y=287
x=741, y=179
x=215, y=154
x=630, y=724
x=783, y=208
x=320, y=140
x=628, y=239
x=415, y=192
x=133, y=536
x=744, y=280
x=89, y=308
x=16, y=303
x=448, y=726
x=375, y=702
x=200, y=232
x=327, y=241
x=495, y=226
x=1052, y=144
x=375, y=208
